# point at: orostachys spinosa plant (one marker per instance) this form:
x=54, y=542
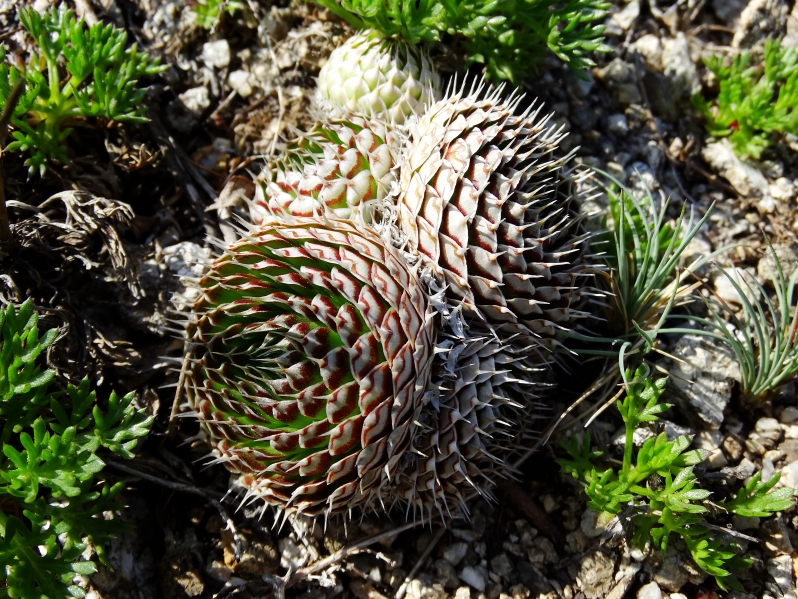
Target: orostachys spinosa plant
x=378, y=76
x=382, y=333
x=341, y=168
x=487, y=205
x=310, y=345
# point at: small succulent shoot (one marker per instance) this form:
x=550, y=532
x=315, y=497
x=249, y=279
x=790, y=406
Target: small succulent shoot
x=755, y=101
x=75, y=73
x=376, y=76
x=53, y=507
x=508, y=37
x=762, y=336
x=658, y=486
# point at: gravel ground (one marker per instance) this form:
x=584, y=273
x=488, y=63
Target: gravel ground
x=221, y=109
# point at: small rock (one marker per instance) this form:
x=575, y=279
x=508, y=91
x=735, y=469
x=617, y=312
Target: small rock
x=424, y=587
x=621, y=79
x=780, y=568
x=241, y=83
x=788, y=415
x=472, y=578
x=464, y=534
x=671, y=574
x=462, y=593
x=789, y=475
x=704, y=379
x=774, y=455
x=650, y=48
x=623, y=19
x=532, y=579
x=216, y=54
x=595, y=577
x=679, y=67
x=649, y=591
x=196, y=100
x=767, y=424
x=754, y=445
x=748, y=181
x=501, y=565
x=782, y=189
x=733, y=448
x=776, y=537
x=549, y=503
x=716, y=460
x=455, y=552
x=446, y=574
x=708, y=440
x=617, y=124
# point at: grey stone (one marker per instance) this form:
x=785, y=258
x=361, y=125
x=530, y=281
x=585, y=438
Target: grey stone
x=595, y=577
x=532, y=578
x=780, y=568
x=649, y=591
x=679, y=68
x=671, y=574
x=455, y=552
x=788, y=415
x=789, y=475
x=501, y=565
x=767, y=424
x=621, y=79
x=425, y=587
x=446, y=574
x=650, y=48
x=241, y=82
x=760, y=19
x=703, y=379
x=622, y=20
x=216, y=54
x=617, y=124
x=472, y=577
x=748, y=181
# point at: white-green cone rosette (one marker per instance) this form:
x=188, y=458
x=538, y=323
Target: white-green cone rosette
x=377, y=76
x=341, y=168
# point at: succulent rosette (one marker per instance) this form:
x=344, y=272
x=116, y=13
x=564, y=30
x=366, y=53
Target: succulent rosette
x=377, y=76
x=341, y=167
x=310, y=345
x=485, y=203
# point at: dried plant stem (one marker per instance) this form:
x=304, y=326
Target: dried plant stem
x=424, y=557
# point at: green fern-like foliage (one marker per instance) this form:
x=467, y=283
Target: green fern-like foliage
x=508, y=37
x=658, y=484
x=75, y=73
x=52, y=498
x=208, y=12
x=755, y=101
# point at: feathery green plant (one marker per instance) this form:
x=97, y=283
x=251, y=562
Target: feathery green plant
x=755, y=101
x=763, y=337
x=77, y=72
x=657, y=487
x=509, y=37
x=210, y=11
x=52, y=506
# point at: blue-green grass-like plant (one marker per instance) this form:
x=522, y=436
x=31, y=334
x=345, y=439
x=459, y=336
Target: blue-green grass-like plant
x=657, y=485
x=53, y=501
x=763, y=336
x=75, y=72
x=508, y=37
